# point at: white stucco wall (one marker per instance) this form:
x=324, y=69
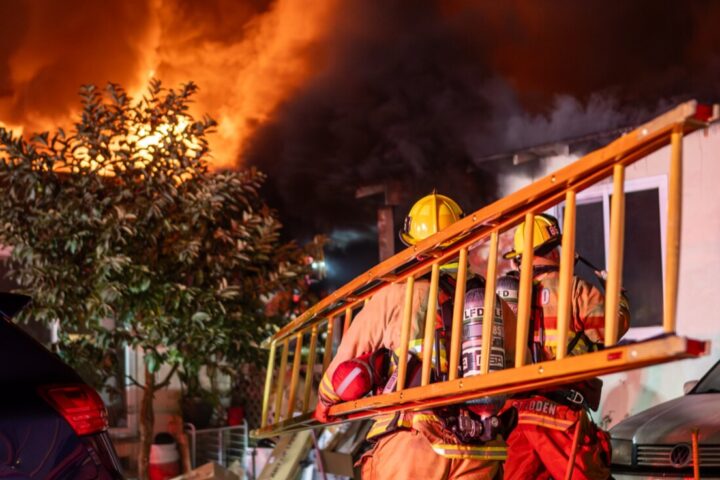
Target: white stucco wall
x=699, y=296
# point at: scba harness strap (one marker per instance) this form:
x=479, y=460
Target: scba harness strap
x=569, y=397
x=584, y=395
x=469, y=427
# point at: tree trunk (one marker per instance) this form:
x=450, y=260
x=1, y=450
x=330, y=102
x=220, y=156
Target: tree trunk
x=147, y=420
x=184, y=447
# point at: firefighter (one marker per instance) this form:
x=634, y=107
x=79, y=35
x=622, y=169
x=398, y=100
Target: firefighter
x=541, y=446
x=445, y=443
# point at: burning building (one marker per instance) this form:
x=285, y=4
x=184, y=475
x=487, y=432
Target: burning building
x=329, y=96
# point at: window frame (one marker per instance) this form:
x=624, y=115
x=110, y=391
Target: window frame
x=132, y=397
x=601, y=193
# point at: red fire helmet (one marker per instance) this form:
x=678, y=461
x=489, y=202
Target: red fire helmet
x=355, y=378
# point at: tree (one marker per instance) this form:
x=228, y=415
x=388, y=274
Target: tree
x=122, y=233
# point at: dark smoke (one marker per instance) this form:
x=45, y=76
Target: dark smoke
x=189, y=22
x=420, y=91
x=394, y=102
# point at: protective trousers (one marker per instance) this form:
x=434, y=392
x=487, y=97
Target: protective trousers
x=541, y=449
x=408, y=454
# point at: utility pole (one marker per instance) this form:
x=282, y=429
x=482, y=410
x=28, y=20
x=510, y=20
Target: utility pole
x=392, y=195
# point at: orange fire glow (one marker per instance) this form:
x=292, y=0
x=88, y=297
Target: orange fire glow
x=245, y=60
x=242, y=82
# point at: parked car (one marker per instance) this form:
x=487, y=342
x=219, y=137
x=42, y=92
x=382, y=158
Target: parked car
x=657, y=443
x=52, y=424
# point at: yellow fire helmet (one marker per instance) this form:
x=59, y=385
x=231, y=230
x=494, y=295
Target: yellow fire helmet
x=546, y=236
x=428, y=216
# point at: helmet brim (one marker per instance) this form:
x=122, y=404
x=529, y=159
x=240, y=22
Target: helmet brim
x=511, y=254
x=408, y=240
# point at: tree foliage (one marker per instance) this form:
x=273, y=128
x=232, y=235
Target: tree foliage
x=120, y=230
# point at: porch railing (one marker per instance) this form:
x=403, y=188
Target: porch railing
x=223, y=445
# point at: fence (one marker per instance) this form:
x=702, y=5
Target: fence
x=223, y=445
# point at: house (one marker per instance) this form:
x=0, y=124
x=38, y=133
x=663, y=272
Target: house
x=646, y=188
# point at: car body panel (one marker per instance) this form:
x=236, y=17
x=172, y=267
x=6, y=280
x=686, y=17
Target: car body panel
x=660, y=438
x=36, y=442
x=643, y=476
x=672, y=422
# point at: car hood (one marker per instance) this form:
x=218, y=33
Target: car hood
x=673, y=422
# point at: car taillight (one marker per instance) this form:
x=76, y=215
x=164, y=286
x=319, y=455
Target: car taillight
x=80, y=405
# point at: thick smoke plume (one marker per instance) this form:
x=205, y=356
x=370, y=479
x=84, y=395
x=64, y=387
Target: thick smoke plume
x=331, y=95
x=423, y=91
x=392, y=102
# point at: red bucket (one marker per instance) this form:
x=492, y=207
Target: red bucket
x=164, y=461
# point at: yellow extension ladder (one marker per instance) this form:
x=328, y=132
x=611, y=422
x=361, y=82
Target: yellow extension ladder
x=451, y=245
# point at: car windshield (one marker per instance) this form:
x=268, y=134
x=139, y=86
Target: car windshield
x=711, y=382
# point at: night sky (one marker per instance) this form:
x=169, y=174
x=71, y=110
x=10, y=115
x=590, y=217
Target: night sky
x=327, y=96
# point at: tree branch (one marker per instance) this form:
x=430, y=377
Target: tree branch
x=135, y=382
x=167, y=379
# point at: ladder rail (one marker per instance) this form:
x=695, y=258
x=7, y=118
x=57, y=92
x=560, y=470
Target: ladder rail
x=513, y=380
x=509, y=210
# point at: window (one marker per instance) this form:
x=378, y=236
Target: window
x=119, y=395
x=644, y=247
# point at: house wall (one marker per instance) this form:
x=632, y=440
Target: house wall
x=627, y=393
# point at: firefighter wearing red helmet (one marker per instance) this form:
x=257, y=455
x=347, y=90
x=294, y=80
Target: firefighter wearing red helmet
x=457, y=442
x=541, y=445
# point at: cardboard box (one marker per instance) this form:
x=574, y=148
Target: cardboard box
x=209, y=471
x=289, y=452
x=343, y=448
x=338, y=463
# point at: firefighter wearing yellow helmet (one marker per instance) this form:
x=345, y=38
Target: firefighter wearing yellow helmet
x=460, y=442
x=428, y=216
x=549, y=420
x=546, y=236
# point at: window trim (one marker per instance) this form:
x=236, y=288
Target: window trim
x=132, y=397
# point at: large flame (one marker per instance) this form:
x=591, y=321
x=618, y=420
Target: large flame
x=246, y=57
x=242, y=79
x=251, y=56
x=146, y=140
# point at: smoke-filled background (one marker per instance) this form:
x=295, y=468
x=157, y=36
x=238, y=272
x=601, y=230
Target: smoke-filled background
x=330, y=95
